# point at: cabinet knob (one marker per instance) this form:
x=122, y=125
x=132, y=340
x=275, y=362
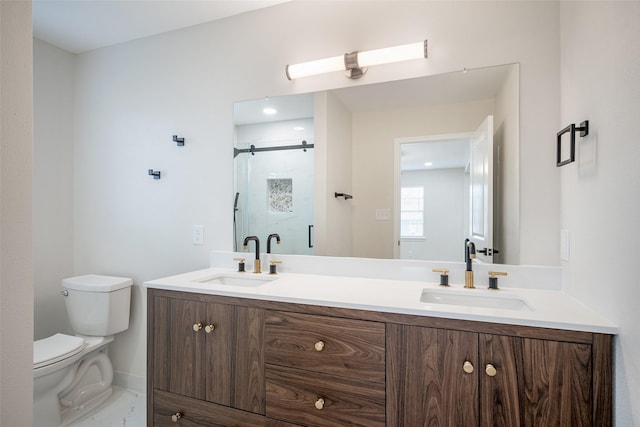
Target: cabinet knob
x=319, y=346
x=320, y=403
x=175, y=417
x=467, y=367
x=491, y=370
x=209, y=328
x=197, y=326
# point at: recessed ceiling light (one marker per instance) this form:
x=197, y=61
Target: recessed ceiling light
x=428, y=164
x=298, y=128
x=270, y=111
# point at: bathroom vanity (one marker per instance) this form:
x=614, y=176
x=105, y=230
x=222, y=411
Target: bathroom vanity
x=305, y=350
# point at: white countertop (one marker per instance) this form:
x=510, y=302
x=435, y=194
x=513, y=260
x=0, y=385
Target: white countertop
x=547, y=308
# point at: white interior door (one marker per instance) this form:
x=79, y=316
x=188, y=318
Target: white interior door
x=481, y=191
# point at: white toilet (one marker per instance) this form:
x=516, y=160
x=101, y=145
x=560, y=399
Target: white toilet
x=72, y=374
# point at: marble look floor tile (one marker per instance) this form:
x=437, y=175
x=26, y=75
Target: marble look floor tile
x=126, y=408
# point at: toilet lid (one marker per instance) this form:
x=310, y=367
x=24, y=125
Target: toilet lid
x=55, y=348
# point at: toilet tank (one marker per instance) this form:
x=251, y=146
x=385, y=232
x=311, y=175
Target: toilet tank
x=97, y=305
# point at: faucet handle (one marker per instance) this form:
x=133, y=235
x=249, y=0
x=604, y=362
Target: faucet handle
x=444, y=276
x=272, y=266
x=240, y=264
x=493, y=280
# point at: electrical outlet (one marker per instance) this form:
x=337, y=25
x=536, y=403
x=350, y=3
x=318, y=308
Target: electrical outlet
x=198, y=234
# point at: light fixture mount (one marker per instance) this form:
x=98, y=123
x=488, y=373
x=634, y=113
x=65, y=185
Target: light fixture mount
x=354, y=71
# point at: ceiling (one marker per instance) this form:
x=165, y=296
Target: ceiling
x=81, y=25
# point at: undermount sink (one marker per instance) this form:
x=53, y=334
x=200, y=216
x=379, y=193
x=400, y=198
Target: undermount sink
x=474, y=298
x=247, y=280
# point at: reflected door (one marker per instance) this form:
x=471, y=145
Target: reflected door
x=481, y=189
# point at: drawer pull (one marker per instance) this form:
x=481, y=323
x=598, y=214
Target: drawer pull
x=491, y=370
x=319, y=346
x=467, y=367
x=209, y=328
x=175, y=417
x=320, y=403
x=197, y=326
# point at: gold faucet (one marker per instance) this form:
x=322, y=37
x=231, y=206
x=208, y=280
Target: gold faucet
x=469, y=255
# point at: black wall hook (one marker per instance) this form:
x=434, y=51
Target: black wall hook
x=180, y=141
x=571, y=129
x=155, y=174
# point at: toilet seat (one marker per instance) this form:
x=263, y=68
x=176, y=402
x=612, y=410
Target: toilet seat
x=55, y=348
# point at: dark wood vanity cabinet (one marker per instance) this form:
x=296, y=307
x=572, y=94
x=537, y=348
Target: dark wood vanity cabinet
x=458, y=378
x=271, y=364
x=206, y=351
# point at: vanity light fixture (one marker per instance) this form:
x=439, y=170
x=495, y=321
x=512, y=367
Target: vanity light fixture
x=356, y=63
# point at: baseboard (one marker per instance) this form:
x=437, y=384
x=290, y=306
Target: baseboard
x=130, y=382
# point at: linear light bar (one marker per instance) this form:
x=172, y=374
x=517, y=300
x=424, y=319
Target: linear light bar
x=355, y=63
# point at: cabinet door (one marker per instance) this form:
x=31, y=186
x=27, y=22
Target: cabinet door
x=426, y=380
x=189, y=360
x=178, y=366
x=535, y=382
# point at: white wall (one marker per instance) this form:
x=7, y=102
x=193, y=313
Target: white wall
x=445, y=196
x=53, y=82
x=506, y=155
x=16, y=246
x=600, y=202
x=130, y=99
x=336, y=229
x=373, y=174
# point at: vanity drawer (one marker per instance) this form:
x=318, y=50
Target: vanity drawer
x=198, y=413
x=194, y=412
x=315, y=399
x=344, y=347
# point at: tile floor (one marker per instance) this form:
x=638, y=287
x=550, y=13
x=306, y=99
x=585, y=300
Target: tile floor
x=126, y=408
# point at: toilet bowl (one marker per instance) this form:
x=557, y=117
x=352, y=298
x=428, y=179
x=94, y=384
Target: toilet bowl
x=73, y=374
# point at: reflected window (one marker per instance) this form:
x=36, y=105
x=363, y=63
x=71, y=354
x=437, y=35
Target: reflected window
x=412, y=212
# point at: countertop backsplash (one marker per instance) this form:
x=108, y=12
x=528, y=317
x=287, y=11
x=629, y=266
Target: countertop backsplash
x=520, y=276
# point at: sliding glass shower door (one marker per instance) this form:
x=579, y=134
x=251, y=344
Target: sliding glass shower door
x=274, y=194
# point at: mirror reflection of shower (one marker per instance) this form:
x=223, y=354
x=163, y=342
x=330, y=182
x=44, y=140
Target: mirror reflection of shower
x=274, y=163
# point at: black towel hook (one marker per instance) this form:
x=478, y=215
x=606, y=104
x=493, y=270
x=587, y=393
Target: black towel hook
x=180, y=141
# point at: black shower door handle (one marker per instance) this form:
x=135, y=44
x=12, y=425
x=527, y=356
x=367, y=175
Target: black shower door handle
x=310, y=243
